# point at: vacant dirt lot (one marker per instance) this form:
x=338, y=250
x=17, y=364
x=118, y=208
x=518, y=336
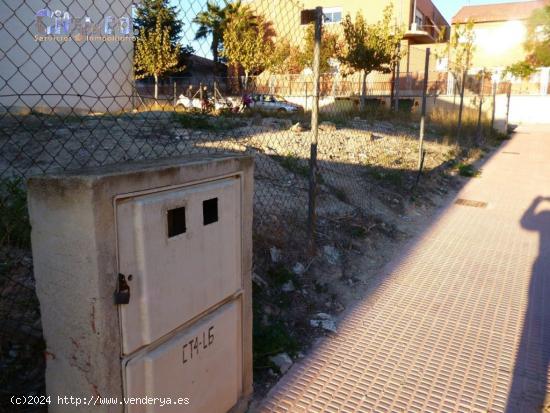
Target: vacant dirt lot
x=367, y=205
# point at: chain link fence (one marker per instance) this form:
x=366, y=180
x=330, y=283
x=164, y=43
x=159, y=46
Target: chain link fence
x=71, y=97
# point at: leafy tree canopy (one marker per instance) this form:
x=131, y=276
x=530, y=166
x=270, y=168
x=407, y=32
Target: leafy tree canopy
x=460, y=48
x=286, y=58
x=155, y=55
x=538, y=37
x=150, y=12
x=213, y=22
x=247, y=41
x=330, y=45
x=371, y=47
x=521, y=70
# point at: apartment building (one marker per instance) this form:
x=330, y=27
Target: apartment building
x=420, y=19
x=500, y=31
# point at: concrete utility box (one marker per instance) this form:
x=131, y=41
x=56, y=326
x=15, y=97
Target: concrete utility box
x=143, y=272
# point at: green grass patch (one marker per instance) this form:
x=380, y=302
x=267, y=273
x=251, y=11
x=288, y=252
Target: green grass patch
x=467, y=170
x=341, y=195
x=393, y=177
x=15, y=228
x=269, y=341
x=207, y=122
x=357, y=231
x=280, y=275
x=293, y=164
x=270, y=335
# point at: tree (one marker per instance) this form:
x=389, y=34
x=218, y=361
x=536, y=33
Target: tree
x=538, y=37
x=459, y=52
x=330, y=45
x=247, y=41
x=537, y=45
x=286, y=58
x=154, y=53
x=151, y=12
x=210, y=24
x=521, y=70
x=213, y=21
x=370, y=47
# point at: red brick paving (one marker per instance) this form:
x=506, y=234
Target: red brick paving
x=461, y=321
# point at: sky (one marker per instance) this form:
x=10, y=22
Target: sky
x=188, y=9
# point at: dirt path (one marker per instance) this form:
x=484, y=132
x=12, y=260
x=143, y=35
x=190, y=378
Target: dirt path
x=460, y=322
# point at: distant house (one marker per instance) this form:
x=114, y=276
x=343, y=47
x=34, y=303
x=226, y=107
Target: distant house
x=500, y=31
x=200, y=69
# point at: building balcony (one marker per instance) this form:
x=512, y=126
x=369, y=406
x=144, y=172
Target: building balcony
x=421, y=34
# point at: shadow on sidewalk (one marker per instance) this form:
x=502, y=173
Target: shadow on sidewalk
x=530, y=379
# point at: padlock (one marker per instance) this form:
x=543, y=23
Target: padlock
x=122, y=294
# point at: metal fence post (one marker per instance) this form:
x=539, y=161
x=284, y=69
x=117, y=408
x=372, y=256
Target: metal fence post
x=461, y=107
x=423, y=116
x=175, y=93
x=397, y=79
x=312, y=218
x=480, y=110
x=392, y=88
x=508, y=98
x=290, y=86
x=494, y=106
x=201, y=96
x=306, y=97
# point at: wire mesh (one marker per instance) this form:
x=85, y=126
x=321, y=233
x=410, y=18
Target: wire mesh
x=71, y=97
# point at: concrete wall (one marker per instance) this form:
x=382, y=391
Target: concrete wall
x=530, y=109
x=85, y=75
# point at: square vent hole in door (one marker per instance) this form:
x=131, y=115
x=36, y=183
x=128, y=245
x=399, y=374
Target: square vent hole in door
x=176, y=222
x=210, y=211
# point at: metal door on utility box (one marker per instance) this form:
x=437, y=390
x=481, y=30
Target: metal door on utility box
x=180, y=253
x=198, y=370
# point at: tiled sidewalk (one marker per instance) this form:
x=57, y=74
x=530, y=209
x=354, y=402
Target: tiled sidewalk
x=461, y=321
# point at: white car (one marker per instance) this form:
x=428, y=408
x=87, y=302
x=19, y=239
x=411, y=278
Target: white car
x=195, y=103
x=276, y=103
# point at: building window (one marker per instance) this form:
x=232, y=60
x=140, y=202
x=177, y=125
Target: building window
x=442, y=64
x=419, y=18
x=332, y=14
